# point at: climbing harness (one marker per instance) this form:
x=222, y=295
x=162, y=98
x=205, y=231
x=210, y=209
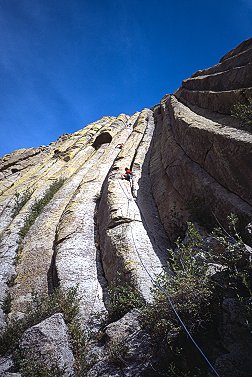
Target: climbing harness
x=169, y=300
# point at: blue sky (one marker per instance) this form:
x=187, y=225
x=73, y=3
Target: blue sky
x=66, y=63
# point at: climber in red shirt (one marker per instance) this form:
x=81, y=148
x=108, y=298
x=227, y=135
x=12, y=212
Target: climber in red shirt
x=119, y=146
x=127, y=175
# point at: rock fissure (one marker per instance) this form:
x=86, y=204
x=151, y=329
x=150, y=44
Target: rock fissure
x=148, y=209
x=207, y=152
x=123, y=221
x=52, y=275
x=99, y=266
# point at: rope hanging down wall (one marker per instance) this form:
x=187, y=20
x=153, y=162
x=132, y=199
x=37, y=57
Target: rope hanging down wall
x=169, y=299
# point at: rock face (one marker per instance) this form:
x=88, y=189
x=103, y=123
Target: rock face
x=201, y=145
x=121, y=220
x=128, y=349
x=48, y=343
x=96, y=226
x=236, y=362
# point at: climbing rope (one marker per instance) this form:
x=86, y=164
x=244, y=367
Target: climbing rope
x=169, y=300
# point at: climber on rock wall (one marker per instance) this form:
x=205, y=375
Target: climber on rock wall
x=119, y=146
x=127, y=175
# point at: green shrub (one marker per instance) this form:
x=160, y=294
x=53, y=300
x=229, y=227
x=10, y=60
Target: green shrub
x=232, y=253
x=192, y=295
x=243, y=111
x=189, y=290
x=122, y=298
x=33, y=368
x=79, y=341
x=41, y=307
x=174, y=371
x=20, y=201
x=197, y=297
x=38, y=206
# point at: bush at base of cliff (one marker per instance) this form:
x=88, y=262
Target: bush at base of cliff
x=192, y=295
x=171, y=371
x=32, y=368
x=40, y=308
x=122, y=298
x=198, y=297
x=43, y=306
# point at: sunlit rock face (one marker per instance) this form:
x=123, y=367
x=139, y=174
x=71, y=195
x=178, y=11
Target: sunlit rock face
x=68, y=219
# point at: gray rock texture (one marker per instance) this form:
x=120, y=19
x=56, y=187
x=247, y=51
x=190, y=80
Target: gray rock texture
x=48, y=343
x=6, y=363
x=236, y=361
x=127, y=351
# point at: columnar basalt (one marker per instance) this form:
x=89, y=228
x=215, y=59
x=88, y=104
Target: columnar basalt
x=204, y=147
x=126, y=246
x=99, y=230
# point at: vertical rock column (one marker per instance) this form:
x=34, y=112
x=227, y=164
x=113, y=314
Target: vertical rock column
x=35, y=253
x=125, y=245
x=77, y=260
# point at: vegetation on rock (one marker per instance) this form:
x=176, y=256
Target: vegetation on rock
x=20, y=201
x=41, y=307
x=39, y=205
x=122, y=298
x=243, y=111
x=197, y=296
x=33, y=368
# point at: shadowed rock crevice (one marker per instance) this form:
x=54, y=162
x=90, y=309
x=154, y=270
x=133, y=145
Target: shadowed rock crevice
x=52, y=275
x=99, y=266
x=207, y=152
x=142, y=191
x=169, y=200
x=103, y=138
